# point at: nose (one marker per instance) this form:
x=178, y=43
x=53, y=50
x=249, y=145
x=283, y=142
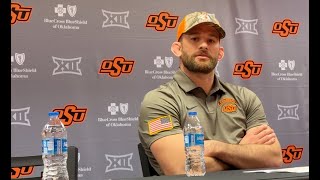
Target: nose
x=203, y=45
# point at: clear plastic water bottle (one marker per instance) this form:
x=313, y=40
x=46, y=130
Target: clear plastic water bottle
x=54, y=149
x=194, y=146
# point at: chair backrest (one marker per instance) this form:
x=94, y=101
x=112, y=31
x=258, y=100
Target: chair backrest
x=17, y=163
x=147, y=169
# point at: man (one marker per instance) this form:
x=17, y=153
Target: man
x=236, y=132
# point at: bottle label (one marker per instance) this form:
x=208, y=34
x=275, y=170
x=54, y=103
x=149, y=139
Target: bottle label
x=64, y=145
x=186, y=140
x=51, y=146
x=48, y=146
x=60, y=146
x=193, y=139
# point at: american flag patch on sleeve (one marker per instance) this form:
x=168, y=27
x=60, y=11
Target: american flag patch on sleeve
x=160, y=124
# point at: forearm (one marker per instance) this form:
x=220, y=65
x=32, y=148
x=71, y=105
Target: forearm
x=214, y=164
x=246, y=156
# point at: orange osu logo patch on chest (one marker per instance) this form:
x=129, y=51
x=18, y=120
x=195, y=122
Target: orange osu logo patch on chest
x=229, y=108
x=228, y=105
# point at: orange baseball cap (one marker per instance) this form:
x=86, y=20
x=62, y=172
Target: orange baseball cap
x=195, y=18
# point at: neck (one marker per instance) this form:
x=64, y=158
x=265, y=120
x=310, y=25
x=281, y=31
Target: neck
x=205, y=81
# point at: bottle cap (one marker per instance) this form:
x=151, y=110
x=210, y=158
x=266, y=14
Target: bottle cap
x=53, y=114
x=192, y=113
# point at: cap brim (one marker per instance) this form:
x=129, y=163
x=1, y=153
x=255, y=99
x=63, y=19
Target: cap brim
x=221, y=31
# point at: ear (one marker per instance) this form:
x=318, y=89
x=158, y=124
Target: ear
x=176, y=48
x=221, y=53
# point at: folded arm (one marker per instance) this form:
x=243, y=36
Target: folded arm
x=170, y=154
x=259, y=148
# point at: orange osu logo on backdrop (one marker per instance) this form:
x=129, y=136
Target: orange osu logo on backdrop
x=116, y=67
x=285, y=28
x=19, y=13
x=247, y=69
x=71, y=113
x=291, y=153
x=17, y=172
x=162, y=21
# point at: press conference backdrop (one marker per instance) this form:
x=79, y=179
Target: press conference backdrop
x=93, y=61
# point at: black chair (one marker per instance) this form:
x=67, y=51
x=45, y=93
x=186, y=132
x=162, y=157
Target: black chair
x=28, y=161
x=147, y=169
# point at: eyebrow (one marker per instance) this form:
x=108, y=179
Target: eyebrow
x=192, y=33
x=197, y=33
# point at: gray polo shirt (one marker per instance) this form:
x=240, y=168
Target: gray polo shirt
x=225, y=114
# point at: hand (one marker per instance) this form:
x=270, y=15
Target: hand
x=262, y=134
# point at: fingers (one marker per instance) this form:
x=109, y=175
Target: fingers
x=267, y=139
x=265, y=133
x=262, y=134
x=258, y=129
x=271, y=141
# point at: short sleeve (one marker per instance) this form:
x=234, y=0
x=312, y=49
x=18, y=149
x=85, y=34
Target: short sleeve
x=159, y=116
x=254, y=109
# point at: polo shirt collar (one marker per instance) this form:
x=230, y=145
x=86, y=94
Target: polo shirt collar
x=187, y=85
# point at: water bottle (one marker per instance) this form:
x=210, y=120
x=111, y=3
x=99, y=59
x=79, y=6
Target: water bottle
x=54, y=149
x=194, y=146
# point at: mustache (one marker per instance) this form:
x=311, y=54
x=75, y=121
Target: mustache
x=202, y=53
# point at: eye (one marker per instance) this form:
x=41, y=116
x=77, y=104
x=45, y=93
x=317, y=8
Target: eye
x=194, y=38
x=211, y=41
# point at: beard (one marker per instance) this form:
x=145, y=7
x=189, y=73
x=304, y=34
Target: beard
x=192, y=65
